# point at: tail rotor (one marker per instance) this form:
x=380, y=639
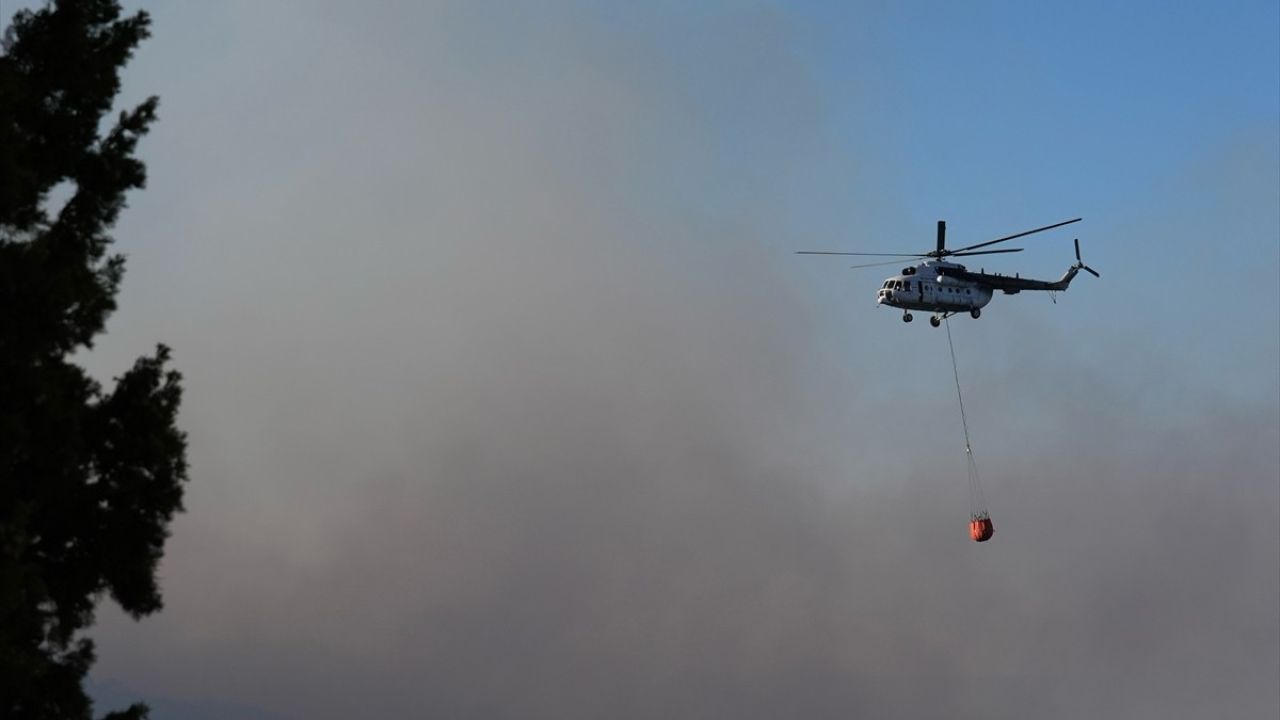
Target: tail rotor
x=1080, y=263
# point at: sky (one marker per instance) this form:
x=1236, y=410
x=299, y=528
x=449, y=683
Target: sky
x=507, y=396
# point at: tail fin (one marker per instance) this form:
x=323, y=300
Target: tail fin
x=1062, y=282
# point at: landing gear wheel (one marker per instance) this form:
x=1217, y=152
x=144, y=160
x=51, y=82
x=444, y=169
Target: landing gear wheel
x=935, y=321
x=906, y=317
x=975, y=313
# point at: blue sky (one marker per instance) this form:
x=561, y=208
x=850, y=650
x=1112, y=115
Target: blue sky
x=508, y=397
x=993, y=95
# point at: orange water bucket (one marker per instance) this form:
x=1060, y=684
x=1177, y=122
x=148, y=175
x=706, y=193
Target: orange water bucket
x=981, y=529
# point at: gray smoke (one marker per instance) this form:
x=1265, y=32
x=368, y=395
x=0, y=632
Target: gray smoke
x=505, y=401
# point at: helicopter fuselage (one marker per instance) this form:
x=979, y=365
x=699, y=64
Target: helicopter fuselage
x=929, y=286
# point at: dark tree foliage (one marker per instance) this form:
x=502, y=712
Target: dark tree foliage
x=89, y=478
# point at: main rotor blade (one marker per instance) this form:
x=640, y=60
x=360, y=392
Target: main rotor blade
x=879, y=264
x=1018, y=235
x=826, y=252
x=984, y=252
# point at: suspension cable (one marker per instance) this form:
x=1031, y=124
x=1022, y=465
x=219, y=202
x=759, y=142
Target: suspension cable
x=977, y=503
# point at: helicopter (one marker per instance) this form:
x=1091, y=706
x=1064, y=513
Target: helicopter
x=946, y=288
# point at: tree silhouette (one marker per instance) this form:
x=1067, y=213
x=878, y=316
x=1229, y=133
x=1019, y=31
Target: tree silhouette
x=89, y=478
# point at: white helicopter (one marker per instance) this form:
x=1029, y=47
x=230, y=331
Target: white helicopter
x=947, y=288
